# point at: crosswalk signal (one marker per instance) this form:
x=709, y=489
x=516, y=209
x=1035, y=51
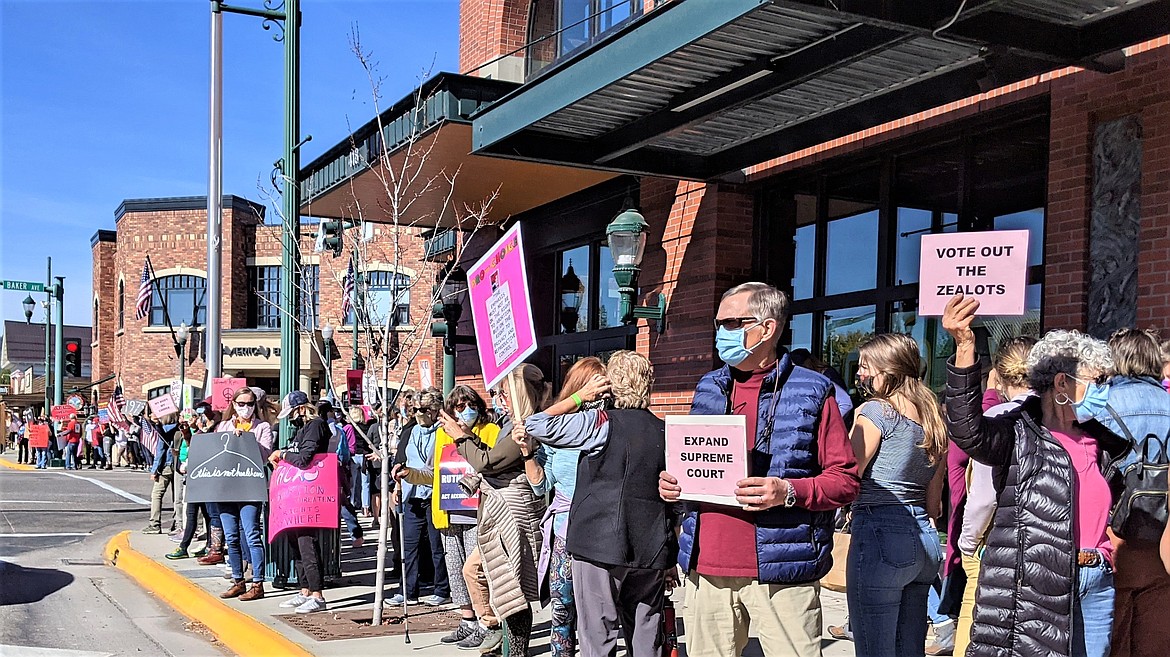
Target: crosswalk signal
x=72, y=357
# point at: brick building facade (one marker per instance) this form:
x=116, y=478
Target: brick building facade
x=172, y=232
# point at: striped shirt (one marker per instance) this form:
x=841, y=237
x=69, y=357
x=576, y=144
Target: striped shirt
x=900, y=472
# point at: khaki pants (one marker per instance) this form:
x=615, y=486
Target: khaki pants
x=971, y=567
x=719, y=610
x=477, y=589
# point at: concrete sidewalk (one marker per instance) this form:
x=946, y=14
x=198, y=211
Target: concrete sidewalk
x=254, y=623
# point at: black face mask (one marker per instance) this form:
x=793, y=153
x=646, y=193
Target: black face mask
x=865, y=386
x=297, y=422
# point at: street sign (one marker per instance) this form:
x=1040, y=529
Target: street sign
x=24, y=286
x=3, y=390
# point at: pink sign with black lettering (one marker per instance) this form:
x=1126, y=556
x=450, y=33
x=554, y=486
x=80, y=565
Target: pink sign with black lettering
x=991, y=266
x=304, y=498
x=708, y=455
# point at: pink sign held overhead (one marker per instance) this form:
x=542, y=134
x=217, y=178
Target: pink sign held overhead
x=708, y=455
x=163, y=405
x=222, y=391
x=304, y=498
x=501, y=307
x=991, y=266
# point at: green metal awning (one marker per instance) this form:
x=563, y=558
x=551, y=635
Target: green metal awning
x=702, y=88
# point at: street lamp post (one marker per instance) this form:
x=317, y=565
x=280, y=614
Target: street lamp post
x=327, y=339
x=29, y=305
x=181, y=335
x=627, y=243
x=450, y=290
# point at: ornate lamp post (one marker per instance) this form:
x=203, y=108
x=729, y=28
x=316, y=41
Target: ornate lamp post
x=327, y=339
x=181, y=335
x=627, y=243
x=29, y=305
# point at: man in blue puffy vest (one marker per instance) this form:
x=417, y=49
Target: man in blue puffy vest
x=761, y=564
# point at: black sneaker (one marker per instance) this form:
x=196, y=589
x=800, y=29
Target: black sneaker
x=475, y=639
x=462, y=632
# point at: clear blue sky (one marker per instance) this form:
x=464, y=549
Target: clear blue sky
x=105, y=100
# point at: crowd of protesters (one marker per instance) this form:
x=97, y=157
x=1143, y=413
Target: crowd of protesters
x=1021, y=512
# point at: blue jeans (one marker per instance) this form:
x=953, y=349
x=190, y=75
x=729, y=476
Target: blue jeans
x=360, y=493
x=416, y=519
x=242, y=520
x=894, y=555
x=42, y=457
x=1093, y=615
x=932, y=603
x=70, y=456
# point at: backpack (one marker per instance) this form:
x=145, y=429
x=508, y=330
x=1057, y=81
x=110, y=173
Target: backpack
x=1141, y=473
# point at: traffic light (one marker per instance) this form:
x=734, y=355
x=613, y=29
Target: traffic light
x=332, y=235
x=72, y=357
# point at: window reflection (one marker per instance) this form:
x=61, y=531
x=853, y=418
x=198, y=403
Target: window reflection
x=609, y=306
x=575, y=291
x=912, y=225
x=845, y=330
x=802, y=327
x=852, y=253
x=1031, y=221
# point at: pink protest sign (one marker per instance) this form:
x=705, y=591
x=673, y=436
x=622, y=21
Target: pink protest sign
x=222, y=391
x=991, y=266
x=501, y=307
x=708, y=455
x=304, y=498
x=163, y=405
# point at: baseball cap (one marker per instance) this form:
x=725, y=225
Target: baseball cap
x=291, y=401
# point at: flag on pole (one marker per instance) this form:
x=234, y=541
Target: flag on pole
x=145, y=290
x=347, y=291
x=114, y=406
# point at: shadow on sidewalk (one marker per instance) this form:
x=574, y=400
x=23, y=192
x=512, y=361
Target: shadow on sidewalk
x=27, y=585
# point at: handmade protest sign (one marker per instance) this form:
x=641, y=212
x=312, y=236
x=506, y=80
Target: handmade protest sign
x=222, y=391
x=224, y=467
x=452, y=468
x=61, y=412
x=501, y=307
x=305, y=498
x=991, y=266
x=38, y=436
x=163, y=405
x=708, y=455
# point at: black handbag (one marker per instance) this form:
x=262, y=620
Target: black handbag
x=1140, y=512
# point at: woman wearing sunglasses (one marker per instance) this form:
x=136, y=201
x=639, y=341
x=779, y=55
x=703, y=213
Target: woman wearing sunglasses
x=243, y=519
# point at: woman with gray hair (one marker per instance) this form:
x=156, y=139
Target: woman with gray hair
x=1046, y=583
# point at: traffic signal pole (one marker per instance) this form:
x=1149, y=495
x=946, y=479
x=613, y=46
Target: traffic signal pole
x=48, y=305
x=59, y=342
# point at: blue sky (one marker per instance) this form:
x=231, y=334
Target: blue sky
x=105, y=100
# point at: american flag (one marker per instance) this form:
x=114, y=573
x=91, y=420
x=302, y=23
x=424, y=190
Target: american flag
x=347, y=291
x=114, y=406
x=149, y=436
x=145, y=289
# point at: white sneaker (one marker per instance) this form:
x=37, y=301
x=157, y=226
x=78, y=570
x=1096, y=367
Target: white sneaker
x=295, y=601
x=435, y=601
x=311, y=605
x=396, y=600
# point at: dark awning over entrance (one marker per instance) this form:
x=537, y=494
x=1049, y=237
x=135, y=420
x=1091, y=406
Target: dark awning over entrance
x=700, y=88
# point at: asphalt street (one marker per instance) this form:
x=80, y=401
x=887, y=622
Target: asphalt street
x=57, y=597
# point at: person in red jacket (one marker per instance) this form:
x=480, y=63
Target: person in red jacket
x=72, y=441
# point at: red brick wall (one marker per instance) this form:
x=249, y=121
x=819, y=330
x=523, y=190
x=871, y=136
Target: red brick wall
x=1080, y=102
x=490, y=28
x=105, y=284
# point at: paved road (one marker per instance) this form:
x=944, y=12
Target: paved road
x=57, y=599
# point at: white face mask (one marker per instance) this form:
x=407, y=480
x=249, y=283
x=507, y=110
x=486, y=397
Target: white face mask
x=245, y=412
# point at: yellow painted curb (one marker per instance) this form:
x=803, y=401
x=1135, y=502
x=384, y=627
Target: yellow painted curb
x=16, y=466
x=241, y=633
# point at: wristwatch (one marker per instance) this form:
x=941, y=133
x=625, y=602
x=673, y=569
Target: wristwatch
x=790, y=498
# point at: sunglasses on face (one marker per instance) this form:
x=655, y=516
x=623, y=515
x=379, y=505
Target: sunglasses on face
x=460, y=406
x=246, y=403
x=735, y=323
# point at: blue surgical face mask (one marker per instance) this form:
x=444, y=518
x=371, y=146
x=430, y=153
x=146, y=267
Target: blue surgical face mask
x=1093, y=403
x=729, y=344
x=469, y=415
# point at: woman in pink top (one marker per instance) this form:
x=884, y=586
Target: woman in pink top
x=1046, y=579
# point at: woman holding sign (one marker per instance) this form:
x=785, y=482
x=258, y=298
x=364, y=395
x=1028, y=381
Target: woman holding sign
x=900, y=443
x=1046, y=581
x=243, y=519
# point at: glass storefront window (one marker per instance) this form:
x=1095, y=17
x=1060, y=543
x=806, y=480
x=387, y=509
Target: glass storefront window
x=609, y=306
x=574, y=275
x=802, y=280
x=852, y=253
x=802, y=328
x=1031, y=221
x=845, y=330
x=912, y=225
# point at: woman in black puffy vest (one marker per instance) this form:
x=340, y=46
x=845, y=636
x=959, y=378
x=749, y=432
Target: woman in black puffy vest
x=1046, y=584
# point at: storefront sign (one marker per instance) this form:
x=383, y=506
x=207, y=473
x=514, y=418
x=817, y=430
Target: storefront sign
x=259, y=351
x=708, y=455
x=222, y=391
x=163, y=405
x=224, y=467
x=452, y=469
x=305, y=498
x=76, y=402
x=62, y=412
x=502, y=308
x=38, y=435
x=991, y=266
